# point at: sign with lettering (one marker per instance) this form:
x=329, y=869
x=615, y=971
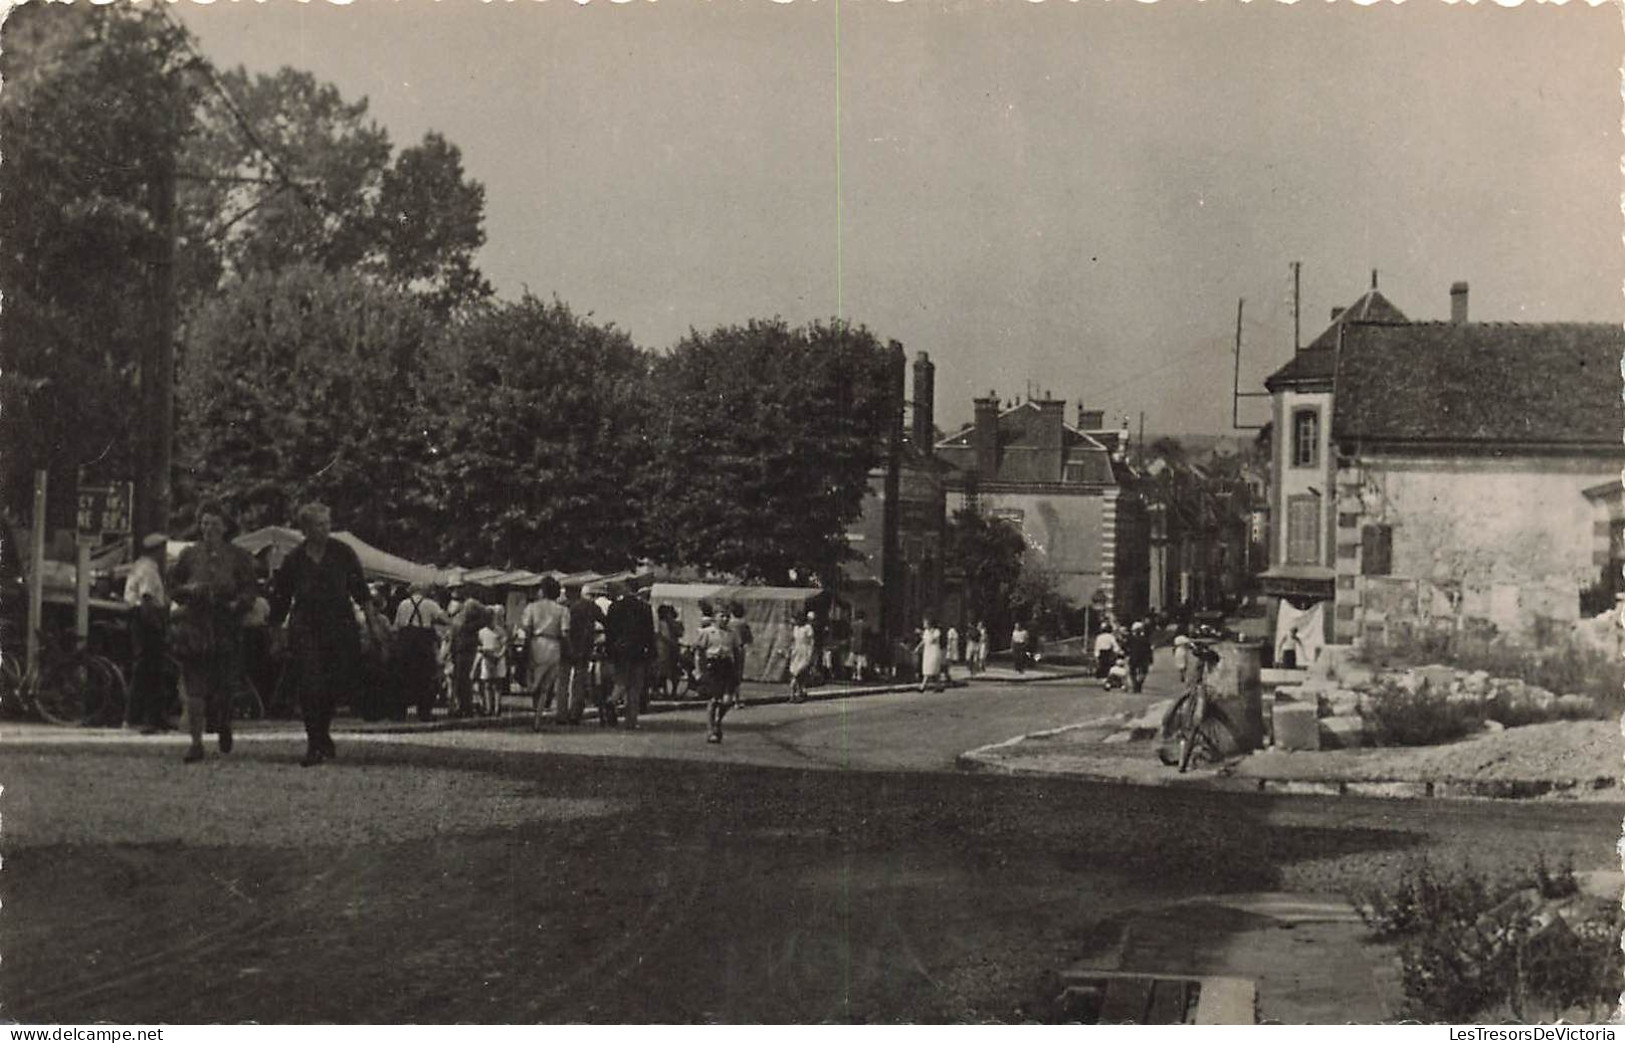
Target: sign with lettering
x=104, y=510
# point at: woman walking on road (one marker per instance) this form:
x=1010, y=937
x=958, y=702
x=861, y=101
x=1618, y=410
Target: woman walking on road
x=803, y=642
x=317, y=590
x=932, y=668
x=214, y=586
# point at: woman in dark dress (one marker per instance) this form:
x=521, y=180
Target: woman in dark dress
x=318, y=589
x=214, y=586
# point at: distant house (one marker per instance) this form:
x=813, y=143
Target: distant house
x=1066, y=487
x=1453, y=475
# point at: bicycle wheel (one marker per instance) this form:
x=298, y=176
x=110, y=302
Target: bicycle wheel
x=13, y=699
x=246, y=704
x=115, y=695
x=71, y=690
x=1176, y=725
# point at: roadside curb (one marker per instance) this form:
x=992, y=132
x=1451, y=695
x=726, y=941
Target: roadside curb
x=978, y=762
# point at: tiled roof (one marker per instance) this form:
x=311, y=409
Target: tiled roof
x=1021, y=460
x=1497, y=383
x=1314, y=364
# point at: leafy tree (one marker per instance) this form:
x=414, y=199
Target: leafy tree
x=540, y=455
x=312, y=180
x=300, y=384
x=989, y=552
x=764, y=437
x=95, y=97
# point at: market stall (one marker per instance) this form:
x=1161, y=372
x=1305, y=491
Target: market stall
x=770, y=611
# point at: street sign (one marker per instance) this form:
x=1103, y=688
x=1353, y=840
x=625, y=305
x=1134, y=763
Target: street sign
x=104, y=510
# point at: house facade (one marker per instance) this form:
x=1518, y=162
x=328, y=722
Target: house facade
x=1444, y=475
x=1066, y=487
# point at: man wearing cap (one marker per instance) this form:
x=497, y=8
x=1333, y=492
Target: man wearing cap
x=629, y=644
x=144, y=589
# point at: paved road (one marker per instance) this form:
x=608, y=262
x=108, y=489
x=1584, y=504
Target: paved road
x=824, y=864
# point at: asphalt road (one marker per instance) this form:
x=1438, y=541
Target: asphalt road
x=825, y=864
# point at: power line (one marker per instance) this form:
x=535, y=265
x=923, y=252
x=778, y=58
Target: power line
x=242, y=121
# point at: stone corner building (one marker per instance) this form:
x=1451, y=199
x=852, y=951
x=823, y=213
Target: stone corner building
x=1066, y=487
x=1445, y=475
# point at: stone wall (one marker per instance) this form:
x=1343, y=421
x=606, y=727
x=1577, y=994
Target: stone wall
x=1499, y=544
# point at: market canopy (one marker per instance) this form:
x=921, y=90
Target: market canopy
x=375, y=563
x=770, y=611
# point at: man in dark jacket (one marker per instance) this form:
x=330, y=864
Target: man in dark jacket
x=629, y=642
x=584, y=619
x=1138, y=651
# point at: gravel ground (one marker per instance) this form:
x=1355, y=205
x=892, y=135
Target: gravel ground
x=1558, y=750
x=1581, y=750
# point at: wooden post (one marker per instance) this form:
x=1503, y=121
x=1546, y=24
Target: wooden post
x=36, y=571
x=81, y=590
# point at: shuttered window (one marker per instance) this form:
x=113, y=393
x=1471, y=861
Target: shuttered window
x=1303, y=530
x=1376, y=550
x=1305, y=438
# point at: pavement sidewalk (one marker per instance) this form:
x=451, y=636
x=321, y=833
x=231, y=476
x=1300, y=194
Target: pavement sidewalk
x=516, y=712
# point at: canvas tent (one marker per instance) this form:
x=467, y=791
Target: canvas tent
x=376, y=564
x=770, y=611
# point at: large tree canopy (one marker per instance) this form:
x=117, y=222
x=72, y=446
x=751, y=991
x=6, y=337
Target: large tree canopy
x=303, y=384
x=95, y=96
x=537, y=414
x=765, y=437
x=292, y=173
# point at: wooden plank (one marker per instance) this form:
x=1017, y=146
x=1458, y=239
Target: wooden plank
x=1127, y=1000
x=1169, y=1000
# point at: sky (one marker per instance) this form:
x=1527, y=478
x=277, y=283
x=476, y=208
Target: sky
x=1061, y=197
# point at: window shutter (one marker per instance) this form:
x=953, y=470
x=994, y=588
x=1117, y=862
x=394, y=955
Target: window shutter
x=1376, y=550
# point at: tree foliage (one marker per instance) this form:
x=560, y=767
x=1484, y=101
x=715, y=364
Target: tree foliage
x=318, y=183
x=765, y=435
x=301, y=384
x=988, y=552
x=540, y=458
x=77, y=191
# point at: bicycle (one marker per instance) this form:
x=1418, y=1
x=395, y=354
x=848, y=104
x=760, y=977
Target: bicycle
x=72, y=685
x=1195, y=730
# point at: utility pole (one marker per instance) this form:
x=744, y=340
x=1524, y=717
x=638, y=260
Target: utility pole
x=1236, y=394
x=1297, y=310
x=156, y=440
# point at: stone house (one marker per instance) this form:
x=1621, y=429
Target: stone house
x=1067, y=487
x=1445, y=475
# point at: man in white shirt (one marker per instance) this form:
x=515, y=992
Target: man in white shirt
x=420, y=625
x=144, y=589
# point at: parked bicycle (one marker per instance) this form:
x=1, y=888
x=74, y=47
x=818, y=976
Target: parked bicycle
x=1196, y=730
x=69, y=684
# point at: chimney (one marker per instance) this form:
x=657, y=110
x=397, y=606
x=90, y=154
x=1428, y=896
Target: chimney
x=1049, y=437
x=1458, y=302
x=1090, y=419
x=925, y=396
x=986, y=437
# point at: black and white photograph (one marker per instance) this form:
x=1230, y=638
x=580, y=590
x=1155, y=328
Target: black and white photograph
x=826, y=512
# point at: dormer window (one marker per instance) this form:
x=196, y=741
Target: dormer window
x=1305, y=438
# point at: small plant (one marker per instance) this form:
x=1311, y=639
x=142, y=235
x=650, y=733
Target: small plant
x=1560, y=665
x=1558, y=883
x=1485, y=948
x=1422, y=717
